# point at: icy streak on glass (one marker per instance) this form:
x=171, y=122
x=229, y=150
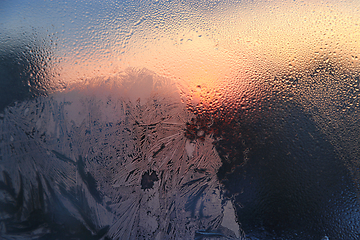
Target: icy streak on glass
x=105, y=164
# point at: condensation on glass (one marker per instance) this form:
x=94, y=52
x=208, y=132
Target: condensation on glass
x=179, y=120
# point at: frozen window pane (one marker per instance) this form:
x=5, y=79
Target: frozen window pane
x=179, y=120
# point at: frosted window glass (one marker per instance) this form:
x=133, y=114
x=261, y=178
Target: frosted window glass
x=179, y=119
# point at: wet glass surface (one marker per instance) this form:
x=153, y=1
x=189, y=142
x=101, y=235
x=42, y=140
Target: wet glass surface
x=179, y=120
